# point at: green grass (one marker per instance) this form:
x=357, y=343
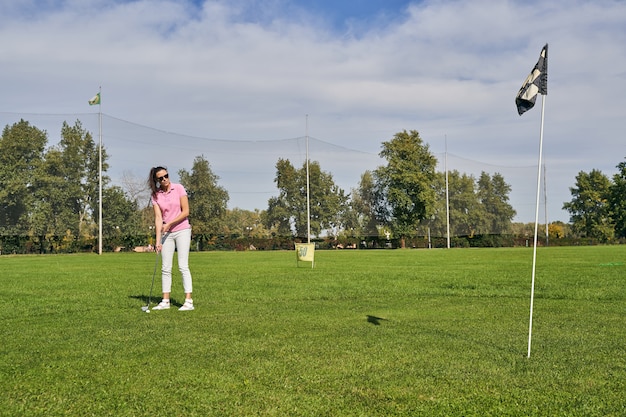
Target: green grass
x=364, y=333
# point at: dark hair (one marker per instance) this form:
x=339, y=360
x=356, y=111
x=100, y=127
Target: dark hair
x=152, y=179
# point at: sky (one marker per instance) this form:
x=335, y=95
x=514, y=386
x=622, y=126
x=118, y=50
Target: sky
x=241, y=81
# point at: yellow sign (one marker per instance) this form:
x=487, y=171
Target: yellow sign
x=305, y=252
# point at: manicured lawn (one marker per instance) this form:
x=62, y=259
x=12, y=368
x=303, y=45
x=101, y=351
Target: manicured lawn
x=364, y=333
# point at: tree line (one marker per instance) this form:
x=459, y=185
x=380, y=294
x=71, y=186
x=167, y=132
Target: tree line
x=598, y=207
x=49, y=200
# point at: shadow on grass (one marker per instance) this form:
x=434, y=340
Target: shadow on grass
x=374, y=320
x=155, y=300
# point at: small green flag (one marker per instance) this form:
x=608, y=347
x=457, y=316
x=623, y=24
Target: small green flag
x=95, y=100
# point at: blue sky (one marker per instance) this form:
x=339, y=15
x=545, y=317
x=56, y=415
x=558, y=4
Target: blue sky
x=250, y=70
x=362, y=13
x=340, y=16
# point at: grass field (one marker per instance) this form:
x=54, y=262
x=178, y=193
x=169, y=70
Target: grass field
x=364, y=333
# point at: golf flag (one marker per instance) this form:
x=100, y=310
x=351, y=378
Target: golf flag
x=95, y=100
x=536, y=83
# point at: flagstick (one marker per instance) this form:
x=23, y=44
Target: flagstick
x=545, y=203
x=100, y=172
x=532, y=290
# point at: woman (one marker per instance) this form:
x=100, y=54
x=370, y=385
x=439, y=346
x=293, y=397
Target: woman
x=171, y=211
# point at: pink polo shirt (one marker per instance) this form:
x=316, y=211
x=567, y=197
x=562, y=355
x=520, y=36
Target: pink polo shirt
x=169, y=203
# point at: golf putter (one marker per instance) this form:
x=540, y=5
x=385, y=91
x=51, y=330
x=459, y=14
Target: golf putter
x=146, y=308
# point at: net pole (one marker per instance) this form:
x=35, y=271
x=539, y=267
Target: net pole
x=100, y=172
x=308, y=196
x=447, y=193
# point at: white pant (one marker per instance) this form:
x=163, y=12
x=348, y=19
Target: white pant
x=181, y=241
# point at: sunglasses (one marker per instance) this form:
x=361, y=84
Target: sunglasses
x=163, y=177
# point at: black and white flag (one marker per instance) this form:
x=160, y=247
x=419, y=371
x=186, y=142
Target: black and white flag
x=536, y=83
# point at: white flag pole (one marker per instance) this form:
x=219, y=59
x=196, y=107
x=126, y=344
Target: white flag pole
x=545, y=203
x=100, y=172
x=532, y=289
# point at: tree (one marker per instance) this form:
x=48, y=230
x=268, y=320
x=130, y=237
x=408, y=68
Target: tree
x=463, y=205
x=476, y=207
x=277, y=217
x=436, y=224
x=50, y=216
x=362, y=213
x=21, y=154
x=589, y=209
x=328, y=202
x=135, y=189
x=405, y=193
x=79, y=169
x=280, y=209
x=121, y=224
x=493, y=194
x=207, y=200
x=556, y=230
x=617, y=202
x=50, y=195
x=244, y=223
x=466, y=215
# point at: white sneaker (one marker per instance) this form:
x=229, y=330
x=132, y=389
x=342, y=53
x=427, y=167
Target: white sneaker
x=188, y=306
x=163, y=305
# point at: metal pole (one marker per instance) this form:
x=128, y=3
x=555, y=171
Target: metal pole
x=100, y=173
x=447, y=194
x=308, y=197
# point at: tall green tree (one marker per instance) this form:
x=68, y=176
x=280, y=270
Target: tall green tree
x=617, y=200
x=66, y=192
x=80, y=171
x=465, y=210
x=50, y=215
x=436, y=224
x=244, y=223
x=405, y=193
x=589, y=208
x=121, y=224
x=208, y=201
x=280, y=209
x=493, y=194
x=476, y=206
x=21, y=155
x=328, y=202
x=362, y=214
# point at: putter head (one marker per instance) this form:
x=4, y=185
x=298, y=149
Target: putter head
x=145, y=308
